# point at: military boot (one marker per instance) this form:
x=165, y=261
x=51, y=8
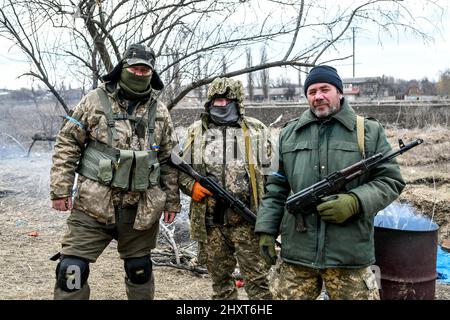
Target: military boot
x=81, y=294
x=144, y=291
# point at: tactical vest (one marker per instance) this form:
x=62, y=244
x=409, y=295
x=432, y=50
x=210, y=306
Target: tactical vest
x=128, y=170
x=248, y=155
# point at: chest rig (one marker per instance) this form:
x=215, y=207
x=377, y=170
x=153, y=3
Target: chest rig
x=128, y=170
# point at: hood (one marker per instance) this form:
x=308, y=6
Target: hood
x=226, y=88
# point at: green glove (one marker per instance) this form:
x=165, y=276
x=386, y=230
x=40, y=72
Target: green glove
x=338, y=208
x=267, y=248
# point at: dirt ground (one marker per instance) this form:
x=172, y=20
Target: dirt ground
x=30, y=231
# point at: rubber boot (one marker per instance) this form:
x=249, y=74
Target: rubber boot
x=82, y=294
x=144, y=291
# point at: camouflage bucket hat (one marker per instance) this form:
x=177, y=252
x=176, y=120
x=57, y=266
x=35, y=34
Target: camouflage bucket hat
x=226, y=88
x=139, y=54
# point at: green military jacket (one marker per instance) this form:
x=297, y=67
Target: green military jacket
x=198, y=139
x=308, y=151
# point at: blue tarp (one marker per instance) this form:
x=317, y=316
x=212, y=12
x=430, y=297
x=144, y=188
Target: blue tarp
x=402, y=216
x=443, y=265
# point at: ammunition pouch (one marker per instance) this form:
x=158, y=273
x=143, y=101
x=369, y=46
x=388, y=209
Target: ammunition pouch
x=122, y=172
x=140, y=172
x=123, y=169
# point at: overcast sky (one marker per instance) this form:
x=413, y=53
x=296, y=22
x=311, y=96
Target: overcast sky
x=402, y=57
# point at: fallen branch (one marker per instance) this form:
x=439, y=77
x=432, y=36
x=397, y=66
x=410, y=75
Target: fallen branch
x=39, y=137
x=14, y=139
x=197, y=270
x=187, y=258
x=168, y=234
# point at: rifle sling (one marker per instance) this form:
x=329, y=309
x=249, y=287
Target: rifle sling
x=251, y=163
x=360, y=135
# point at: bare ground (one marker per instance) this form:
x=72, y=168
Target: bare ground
x=27, y=273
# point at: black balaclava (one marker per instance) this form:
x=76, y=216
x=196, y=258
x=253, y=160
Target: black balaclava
x=224, y=115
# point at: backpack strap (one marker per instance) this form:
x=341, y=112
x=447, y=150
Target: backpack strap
x=111, y=117
x=151, y=120
x=251, y=163
x=107, y=109
x=360, y=135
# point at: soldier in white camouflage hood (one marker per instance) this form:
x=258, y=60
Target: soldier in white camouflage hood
x=233, y=149
x=118, y=139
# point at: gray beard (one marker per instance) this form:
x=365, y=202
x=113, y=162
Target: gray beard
x=331, y=110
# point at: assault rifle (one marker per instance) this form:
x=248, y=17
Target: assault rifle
x=224, y=198
x=305, y=201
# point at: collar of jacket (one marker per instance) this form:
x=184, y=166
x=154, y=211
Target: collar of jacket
x=346, y=116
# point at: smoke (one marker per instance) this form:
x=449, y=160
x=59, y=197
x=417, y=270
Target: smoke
x=11, y=151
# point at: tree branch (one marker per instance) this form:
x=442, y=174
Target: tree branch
x=204, y=81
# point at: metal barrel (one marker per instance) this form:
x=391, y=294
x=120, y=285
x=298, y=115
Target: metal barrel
x=407, y=263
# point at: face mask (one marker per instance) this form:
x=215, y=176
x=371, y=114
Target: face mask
x=133, y=82
x=224, y=115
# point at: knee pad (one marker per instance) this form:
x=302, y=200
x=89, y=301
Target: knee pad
x=72, y=273
x=138, y=270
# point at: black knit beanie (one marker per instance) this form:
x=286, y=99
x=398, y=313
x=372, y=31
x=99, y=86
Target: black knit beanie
x=325, y=74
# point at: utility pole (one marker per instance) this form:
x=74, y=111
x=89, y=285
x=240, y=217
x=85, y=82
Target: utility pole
x=353, y=30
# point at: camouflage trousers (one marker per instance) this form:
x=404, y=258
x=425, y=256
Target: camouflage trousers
x=299, y=282
x=226, y=246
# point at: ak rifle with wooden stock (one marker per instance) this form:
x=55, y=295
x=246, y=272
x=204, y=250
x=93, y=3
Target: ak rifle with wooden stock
x=305, y=201
x=224, y=198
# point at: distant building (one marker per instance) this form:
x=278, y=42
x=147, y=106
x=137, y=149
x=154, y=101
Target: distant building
x=190, y=100
x=365, y=87
x=283, y=94
x=413, y=91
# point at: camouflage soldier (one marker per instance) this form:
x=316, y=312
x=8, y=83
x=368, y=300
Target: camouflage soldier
x=337, y=247
x=118, y=139
x=233, y=149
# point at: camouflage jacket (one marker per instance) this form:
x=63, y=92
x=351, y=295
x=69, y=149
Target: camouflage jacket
x=94, y=198
x=219, y=151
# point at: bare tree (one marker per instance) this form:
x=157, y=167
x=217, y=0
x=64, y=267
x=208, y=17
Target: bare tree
x=443, y=85
x=199, y=89
x=300, y=80
x=224, y=65
x=82, y=39
x=250, y=84
x=176, y=72
x=264, y=75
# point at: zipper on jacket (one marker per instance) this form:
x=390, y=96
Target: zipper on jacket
x=321, y=242
x=321, y=226
x=224, y=155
